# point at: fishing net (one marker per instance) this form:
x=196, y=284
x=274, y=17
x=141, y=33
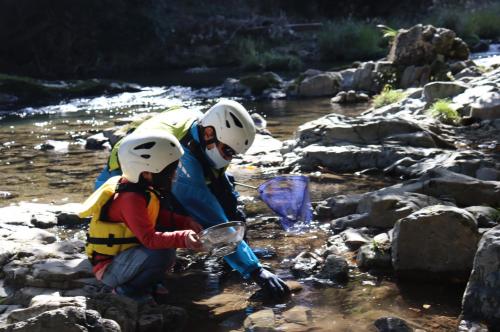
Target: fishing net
x=288, y=196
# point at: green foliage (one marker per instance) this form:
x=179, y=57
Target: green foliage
x=469, y=25
x=444, y=112
x=255, y=55
x=349, y=40
x=388, y=32
x=387, y=96
x=496, y=215
x=486, y=22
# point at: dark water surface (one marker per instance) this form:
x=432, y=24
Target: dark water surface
x=66, y=174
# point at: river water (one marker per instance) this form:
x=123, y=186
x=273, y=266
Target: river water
x=66, y=174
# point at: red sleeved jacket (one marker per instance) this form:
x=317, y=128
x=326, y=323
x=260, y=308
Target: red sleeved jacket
x=131, y=209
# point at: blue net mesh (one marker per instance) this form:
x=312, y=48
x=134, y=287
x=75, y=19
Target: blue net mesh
x=288, y=196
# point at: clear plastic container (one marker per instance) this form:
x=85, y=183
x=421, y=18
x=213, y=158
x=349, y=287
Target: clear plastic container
x=222, y=239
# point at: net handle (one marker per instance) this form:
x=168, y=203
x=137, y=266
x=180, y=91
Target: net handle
x=245, y=185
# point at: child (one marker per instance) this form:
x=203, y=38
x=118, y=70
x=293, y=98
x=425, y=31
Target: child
x=125, y=242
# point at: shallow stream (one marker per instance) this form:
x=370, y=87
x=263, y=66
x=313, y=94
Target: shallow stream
x=216, y=299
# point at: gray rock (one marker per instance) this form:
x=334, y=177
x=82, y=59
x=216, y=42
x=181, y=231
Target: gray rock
x=334, y=269
x=468, y=72
x=68, y=319
x=421, y=44
x=384, y=210
x=325, y=84
x=42, y=303
x=487, y=106
x=435, y=239
x=371, y=257
x=482, y=296
x=354, y=238
x=96, y=142
x=392, y=324
x=442, y=90
x=414, y=76
x=486, y=216
x=150, y=322
x=305, y=264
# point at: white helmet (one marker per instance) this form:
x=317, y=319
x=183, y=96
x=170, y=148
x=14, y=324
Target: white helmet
x=232, y=123
x=147, y=152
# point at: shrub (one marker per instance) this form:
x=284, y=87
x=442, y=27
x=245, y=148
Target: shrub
x=444, y=112
x=349, y=40
x=486, y=22
x=387, y=96
x=253, y=55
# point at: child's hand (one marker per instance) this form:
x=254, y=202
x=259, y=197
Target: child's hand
x=193, y=241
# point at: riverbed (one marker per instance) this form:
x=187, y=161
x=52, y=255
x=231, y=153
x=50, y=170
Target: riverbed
x=217, y=299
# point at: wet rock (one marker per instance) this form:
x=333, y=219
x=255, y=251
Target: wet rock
x=335, y=268
x=482, y=296
x=294, y=286
x=392, y=324
x=52, y=145
x=298, y=315
x=442, y=90
x=370, y=256
x=224, y=303
x=350, y=96
x=44, y=220
x=257, y=83
x=96, y=142
x=64, y=319
x=7, y=195
x=422, y=242
x=262, y=321
x=233, y=87
x=305, y=264
x=324, y=84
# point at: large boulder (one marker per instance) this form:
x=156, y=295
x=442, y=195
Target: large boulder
x=68, y=319
x=481, y=301
x=435, y=240
x=442, y=90
x=421, y=45
x=324, y=84
x=487, y=106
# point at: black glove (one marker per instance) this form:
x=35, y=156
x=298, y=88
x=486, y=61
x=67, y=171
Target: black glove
x=270, y=283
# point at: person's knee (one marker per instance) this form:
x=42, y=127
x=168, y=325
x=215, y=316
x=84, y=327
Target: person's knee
x=160, y=257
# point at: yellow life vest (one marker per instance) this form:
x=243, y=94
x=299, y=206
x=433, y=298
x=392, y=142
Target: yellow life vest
x=106, y=237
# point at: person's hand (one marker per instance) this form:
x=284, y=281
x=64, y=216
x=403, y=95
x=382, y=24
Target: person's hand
x=193, y=225
x=193, y=241
x=271, y=284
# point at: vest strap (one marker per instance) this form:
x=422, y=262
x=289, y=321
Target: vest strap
x=111, y=240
